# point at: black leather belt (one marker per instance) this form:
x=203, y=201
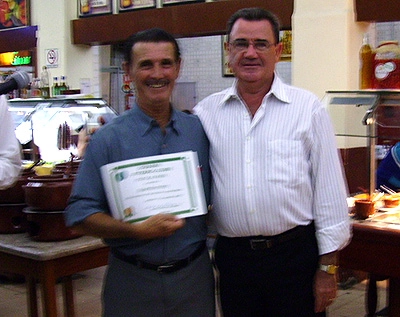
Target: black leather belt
x=160, y=268
x=266, y=242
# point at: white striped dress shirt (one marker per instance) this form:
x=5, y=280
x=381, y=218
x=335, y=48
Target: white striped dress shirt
x=276, y=170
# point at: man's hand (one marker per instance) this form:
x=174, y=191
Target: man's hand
x=325, y=288
x=158, y=226
x=104, y=226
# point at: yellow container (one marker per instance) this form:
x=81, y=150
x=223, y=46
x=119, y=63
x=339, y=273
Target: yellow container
x=43, y=170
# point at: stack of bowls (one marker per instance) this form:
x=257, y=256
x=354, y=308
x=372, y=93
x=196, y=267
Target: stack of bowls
x=46, y=197
x=12, y=203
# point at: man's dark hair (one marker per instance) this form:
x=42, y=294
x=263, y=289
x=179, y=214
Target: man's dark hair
x=154, y=35
x=255, y=14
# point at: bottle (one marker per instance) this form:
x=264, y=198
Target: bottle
x=56, y=87
x=63, y=85
x=366, y=64
x=44, y=83
x=35, y=89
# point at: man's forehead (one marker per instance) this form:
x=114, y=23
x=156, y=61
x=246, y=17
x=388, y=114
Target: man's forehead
x=153, y=45
x=153, y=49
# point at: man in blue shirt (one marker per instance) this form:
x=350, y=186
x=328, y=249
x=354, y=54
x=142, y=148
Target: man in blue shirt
x=158, y=267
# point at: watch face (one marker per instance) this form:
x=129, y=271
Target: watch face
x=330, y=269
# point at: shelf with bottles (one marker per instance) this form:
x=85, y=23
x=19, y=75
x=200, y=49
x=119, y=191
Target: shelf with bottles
x=59, y=86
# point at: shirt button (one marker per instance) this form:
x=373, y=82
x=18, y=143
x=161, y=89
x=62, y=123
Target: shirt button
x=164, y=146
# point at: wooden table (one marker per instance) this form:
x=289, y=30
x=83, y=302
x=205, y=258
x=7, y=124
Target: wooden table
x=375, y=248
x=47, y=262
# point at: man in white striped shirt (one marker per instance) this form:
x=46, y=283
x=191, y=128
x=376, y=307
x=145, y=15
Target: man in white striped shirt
x=10, y=148
x=279, y=195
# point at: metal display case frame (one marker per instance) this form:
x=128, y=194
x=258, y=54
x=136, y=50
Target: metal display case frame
x=367, y=117
x=38, y=122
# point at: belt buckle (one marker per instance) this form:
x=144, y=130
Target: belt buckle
x=260, y=244
x=165, y=268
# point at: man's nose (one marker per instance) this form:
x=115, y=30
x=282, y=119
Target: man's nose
x=251, y=50
x=157, y=71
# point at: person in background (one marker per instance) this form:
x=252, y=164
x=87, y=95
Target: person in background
x=10, y=149
x=278, y=191
x=388, y=172
x=84, y=134
x=161, y=266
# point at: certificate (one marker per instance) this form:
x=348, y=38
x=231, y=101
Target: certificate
x=139, y=188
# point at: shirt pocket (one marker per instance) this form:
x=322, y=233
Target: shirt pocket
x=286, y=162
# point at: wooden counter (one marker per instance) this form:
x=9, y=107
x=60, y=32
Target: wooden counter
x=375, y=248
x=46, y=262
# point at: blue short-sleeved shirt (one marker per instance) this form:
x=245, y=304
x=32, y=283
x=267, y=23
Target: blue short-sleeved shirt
x=388, y=172
x=131, y=135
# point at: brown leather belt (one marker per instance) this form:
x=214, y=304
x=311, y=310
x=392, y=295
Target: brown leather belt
x=160, y=268
x=257, y=243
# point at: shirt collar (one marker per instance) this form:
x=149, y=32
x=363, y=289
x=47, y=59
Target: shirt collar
x=277, y=90
x=145, y=123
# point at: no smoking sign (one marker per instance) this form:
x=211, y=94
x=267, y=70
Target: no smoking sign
x=52, y=58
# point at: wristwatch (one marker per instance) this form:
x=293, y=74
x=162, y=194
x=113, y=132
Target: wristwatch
x=330, y=268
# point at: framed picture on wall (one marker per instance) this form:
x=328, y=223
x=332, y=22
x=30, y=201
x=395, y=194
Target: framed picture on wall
x=286, y=39
x=167, y=2
x=226, y=70
x=14, y=13
x=94, y=7
x=128, y=5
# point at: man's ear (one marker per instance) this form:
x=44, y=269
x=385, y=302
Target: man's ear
x=125, y=67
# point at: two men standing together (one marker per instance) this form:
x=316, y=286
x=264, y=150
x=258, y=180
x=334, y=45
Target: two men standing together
x=277, y=189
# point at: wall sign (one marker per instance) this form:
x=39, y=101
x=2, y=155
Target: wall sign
x=21, y=58
x=94, y=7
x=52, y=58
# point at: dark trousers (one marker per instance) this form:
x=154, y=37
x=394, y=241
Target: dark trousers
x=130, y=291
x=273, y=282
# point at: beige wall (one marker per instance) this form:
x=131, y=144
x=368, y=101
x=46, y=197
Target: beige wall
x=326, y=41
x=76, y=62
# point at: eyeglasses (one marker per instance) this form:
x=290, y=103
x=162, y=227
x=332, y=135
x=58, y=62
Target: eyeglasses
x=243, y=44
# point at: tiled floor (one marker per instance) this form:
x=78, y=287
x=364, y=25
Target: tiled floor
x=87, y=285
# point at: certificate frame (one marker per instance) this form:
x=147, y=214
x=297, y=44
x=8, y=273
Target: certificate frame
x=88, y=8
x=129, y=5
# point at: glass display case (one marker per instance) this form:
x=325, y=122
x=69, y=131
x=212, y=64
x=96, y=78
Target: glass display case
x=50, y=127
x=367, y=124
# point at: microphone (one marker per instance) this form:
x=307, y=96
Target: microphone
x=17, y=80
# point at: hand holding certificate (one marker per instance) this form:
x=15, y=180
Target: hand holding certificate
x=139, y=188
